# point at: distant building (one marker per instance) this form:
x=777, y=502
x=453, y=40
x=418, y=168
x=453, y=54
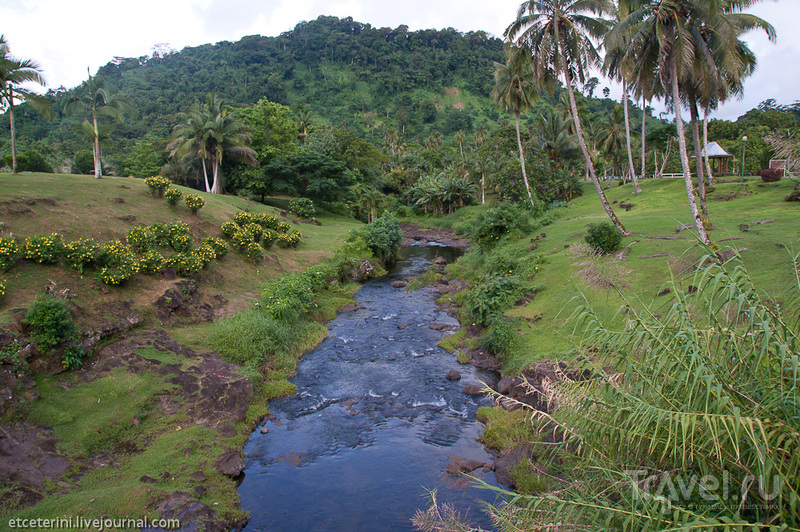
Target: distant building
x=718, y=158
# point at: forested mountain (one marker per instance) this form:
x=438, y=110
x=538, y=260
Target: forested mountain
x=366, y=80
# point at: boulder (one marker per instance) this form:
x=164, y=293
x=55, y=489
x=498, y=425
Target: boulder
x=230, y=464
x=471, y=389
x=453, y=375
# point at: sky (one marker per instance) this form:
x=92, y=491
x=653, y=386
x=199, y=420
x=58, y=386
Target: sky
x=67, y=37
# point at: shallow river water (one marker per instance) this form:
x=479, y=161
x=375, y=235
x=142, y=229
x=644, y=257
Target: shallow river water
x=373, y=422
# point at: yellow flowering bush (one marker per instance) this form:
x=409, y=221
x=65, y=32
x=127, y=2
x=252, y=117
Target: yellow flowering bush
x=157, y=185
x=228, y=229
x=173, y=196
x=243, y=218
x=8, y=252
x=81, y=253
x=242, y=238
x=268, y=238
x=151, y=262
x=195, y=202
x=118, y=263
x=217, y=244
x=141, y=238
x=267, y=221
x=283, y=227
x=289, y=240
x=2, y=287
x=254, y=252
x=255, y=230
x=44, y=249
x=184, y=263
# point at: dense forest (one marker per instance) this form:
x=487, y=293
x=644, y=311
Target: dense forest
x=392, y=106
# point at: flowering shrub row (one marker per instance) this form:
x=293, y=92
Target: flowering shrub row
x=251, y=234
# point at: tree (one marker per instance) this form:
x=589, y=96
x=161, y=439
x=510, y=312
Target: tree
x=558, y=34
x=516, y=91
x=619, y=65
x=209, y=132
x=675, y=35
x=98, y=101
x=14, y=73
x=309, y=175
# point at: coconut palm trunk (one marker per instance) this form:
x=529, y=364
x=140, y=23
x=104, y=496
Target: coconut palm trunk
x=705, y=155
x=636, y=187
x=587, y=157
x=644, y=117
x=522, y=158
x=13, y=136
x=698, y=161
x=687, y=173
x=98, y=168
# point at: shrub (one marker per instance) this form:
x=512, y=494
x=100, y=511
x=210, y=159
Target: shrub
x=8, y=253
x=140, y=238
x=81, y=253
x=185, y=264
x=157, y=185
x=501, y=337
x=241, y=238
x=604, y=237
x=771, y=175
x=205, y=253
x=243, y=218
x=491, y=296
x=119, y=263
x=173, y=196
x=51, y=323
x=73, y=357
x=229, y=229
x=382, y=236
x=268, y=237
x=302, y=207
x=255, y=230
x=44, y=249
x=500, y=222
x=160, y=234
x=195, y=202
x=267, y=221
x=151, y=262
x=218, y=245
x=289, y=240
x=2, y=287
x=254, y=252
x=178, y=235
x=283, y=227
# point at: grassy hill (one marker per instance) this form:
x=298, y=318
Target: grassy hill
x=146, y=420
x=77, y=206
x=546, y=330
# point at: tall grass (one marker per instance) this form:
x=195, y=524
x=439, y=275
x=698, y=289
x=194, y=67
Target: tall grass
x=698, y=428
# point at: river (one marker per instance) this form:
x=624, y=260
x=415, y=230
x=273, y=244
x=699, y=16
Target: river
x=373, y=423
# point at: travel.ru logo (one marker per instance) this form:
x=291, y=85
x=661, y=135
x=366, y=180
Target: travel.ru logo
x=712, y=490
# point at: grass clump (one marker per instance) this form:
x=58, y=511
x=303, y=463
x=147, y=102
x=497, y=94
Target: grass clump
x=51, y=323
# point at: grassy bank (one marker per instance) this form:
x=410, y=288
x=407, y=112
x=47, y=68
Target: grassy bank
x=145, y=418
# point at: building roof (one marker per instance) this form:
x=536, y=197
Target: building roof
x=715, y=150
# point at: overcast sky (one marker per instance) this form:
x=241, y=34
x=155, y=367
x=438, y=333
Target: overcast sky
x=67, y=36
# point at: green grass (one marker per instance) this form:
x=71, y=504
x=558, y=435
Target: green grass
x=548, y=332
x=84, y=207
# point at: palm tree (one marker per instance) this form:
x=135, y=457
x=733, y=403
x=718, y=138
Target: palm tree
x=98, y=101
x=683, y=38
x=558, y=33
x=618, y=64
x=209, y=132
x=14, y=73
x=516, y=90
x=189, y=138
x=226, y=134
x=304, y=120
x=556, y=137
x=612, y=135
